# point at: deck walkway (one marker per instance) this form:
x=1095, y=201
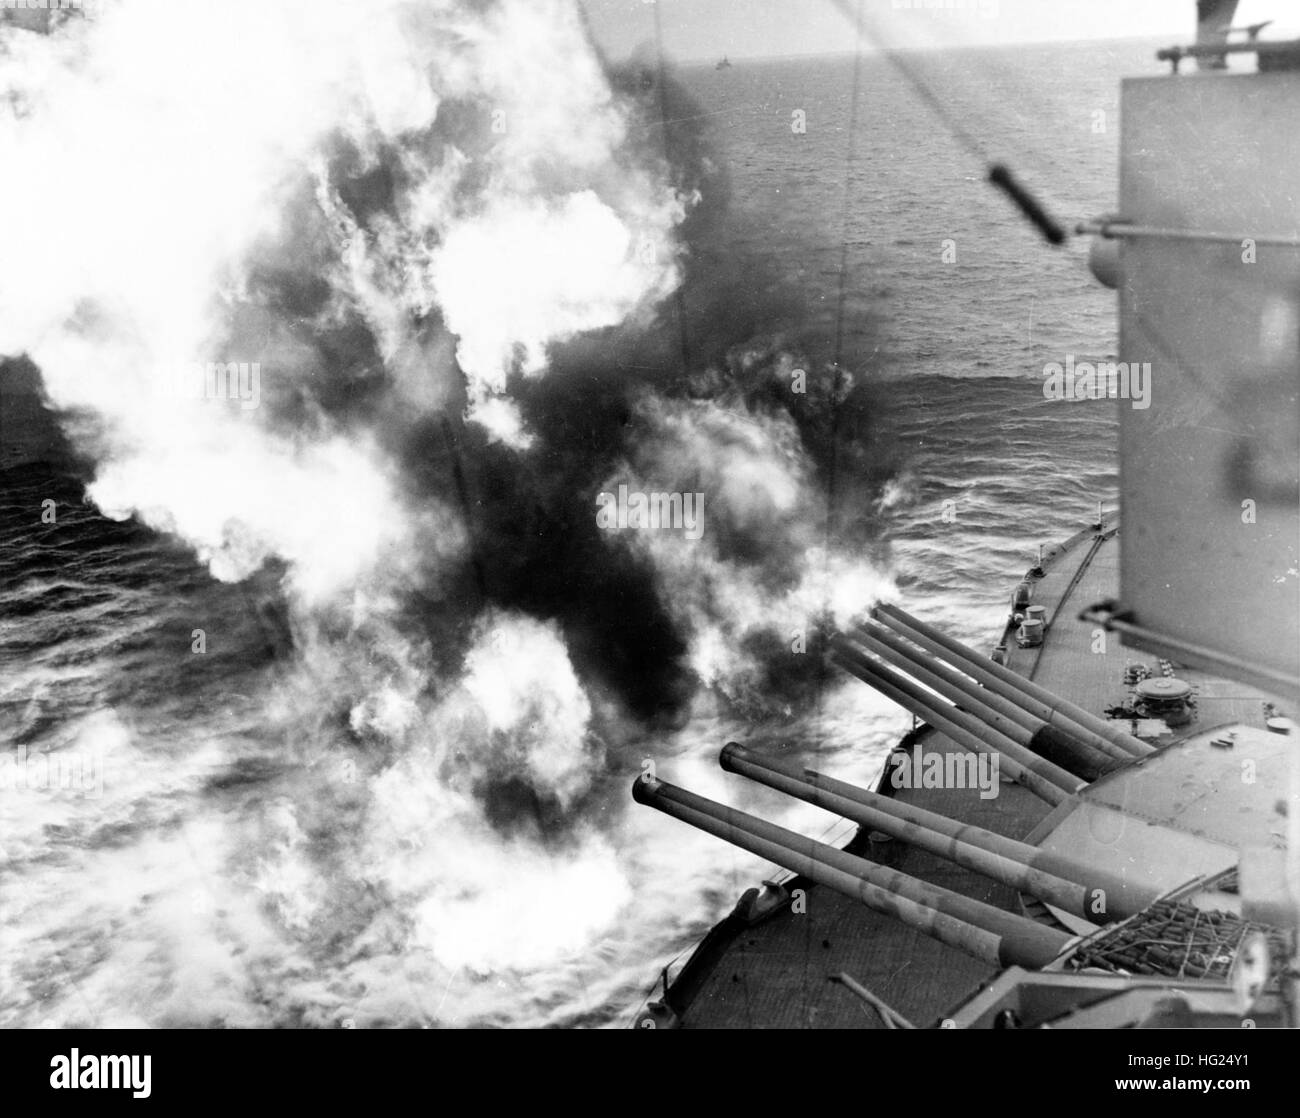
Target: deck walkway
x=775, y=975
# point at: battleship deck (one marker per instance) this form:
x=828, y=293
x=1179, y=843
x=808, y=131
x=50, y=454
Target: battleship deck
x=775, y=974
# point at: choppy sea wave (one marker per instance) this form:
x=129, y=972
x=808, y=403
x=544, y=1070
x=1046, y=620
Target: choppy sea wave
x=414, y=811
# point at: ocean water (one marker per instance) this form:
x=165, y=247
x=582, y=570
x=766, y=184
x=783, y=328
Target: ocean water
x=208, y=866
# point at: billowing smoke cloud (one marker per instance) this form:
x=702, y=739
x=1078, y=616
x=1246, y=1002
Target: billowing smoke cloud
x=164, y=147
x=760, y=582
x=482, y=278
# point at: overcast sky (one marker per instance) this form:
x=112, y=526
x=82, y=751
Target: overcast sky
x=709, y=29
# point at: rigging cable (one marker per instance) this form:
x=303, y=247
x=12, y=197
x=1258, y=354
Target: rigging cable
x=661, y=83
x=683, y=337
x=837, y=381
x=999, y=174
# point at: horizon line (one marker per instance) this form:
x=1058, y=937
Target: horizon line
x=868, y=50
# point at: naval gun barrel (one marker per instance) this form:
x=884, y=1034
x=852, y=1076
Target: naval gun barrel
x=1068, y=895
x=1046, y=780
x=1038, y=736
x=1038, y=700
x=1086, y=891
x=991, y=934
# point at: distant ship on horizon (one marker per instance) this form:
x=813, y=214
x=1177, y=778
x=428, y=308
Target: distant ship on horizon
x=723, y=64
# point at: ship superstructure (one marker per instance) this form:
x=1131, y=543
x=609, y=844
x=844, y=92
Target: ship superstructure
x=1096, y=820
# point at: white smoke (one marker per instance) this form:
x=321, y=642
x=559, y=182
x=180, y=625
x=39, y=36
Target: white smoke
x=476, y=900
x=151, y=149
x=524, y=273
x=762, y=562
x=155, y=155
x=528, y=699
